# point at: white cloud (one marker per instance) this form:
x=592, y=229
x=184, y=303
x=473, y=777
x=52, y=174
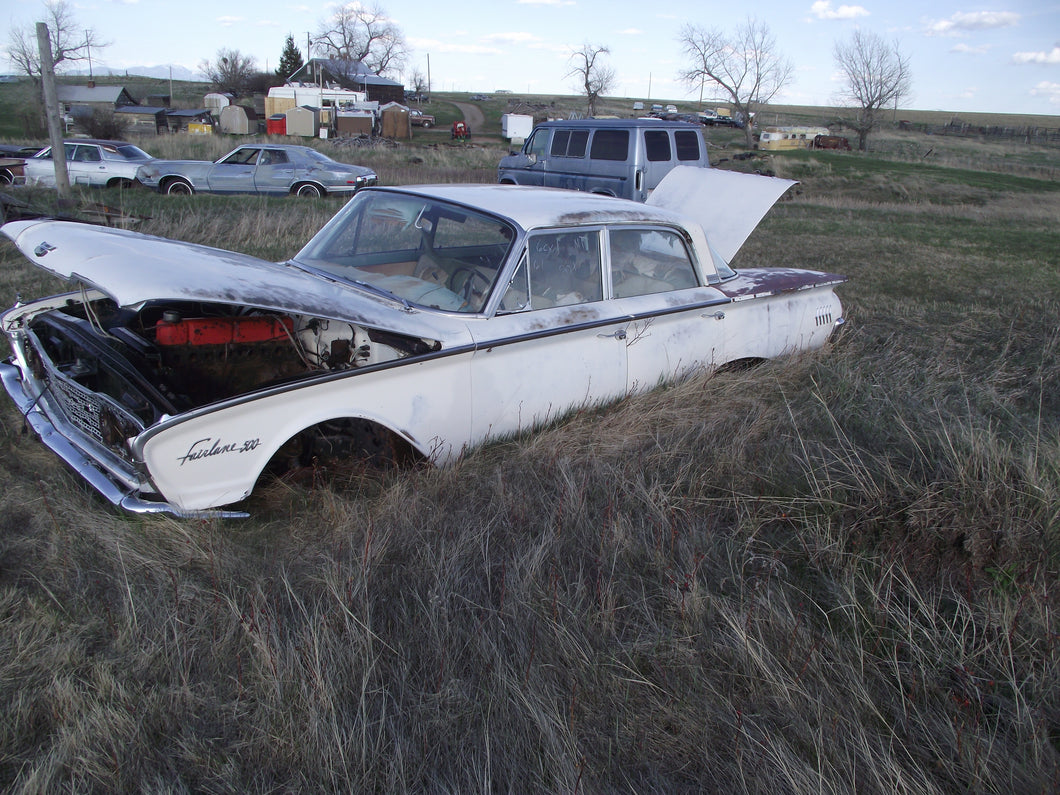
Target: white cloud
x=822, y=9
x=1051, y=57
x=968, y=49
x=227, y=22
x=546, y=2
x=965, y=22
x=515, y=37
x=1046, y=89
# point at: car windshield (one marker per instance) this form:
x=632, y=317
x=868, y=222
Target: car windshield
x=418, y=249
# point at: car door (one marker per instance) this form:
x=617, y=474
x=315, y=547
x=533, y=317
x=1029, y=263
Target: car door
x=536, y=151
x=235, y=173
x=675, y=326
x=566, y=166
x=553, y=344
x=275, y=171
x=85, y=165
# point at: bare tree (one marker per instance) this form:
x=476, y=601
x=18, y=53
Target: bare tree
x=417, y=81
x=230, y=72
x=595, y=78
x=877, y=75
x=357, y=33
x=71, y=42
x=746, y=65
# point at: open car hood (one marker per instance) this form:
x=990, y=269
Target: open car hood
x=133, y=268
x=727, y=204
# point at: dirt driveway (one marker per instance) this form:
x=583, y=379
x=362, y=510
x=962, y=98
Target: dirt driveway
x=473, y=116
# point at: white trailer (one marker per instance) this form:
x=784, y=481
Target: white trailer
x=516, y=125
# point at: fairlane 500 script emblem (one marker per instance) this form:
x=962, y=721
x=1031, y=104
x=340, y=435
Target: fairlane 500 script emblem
x=209, y=447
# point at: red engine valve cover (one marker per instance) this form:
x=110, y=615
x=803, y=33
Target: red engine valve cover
x=222, y=330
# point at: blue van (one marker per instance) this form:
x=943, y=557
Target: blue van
x=615, y=157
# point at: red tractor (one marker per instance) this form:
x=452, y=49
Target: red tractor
x=461, y=132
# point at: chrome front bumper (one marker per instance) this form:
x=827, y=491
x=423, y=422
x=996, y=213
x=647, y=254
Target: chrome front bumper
x=117, y=493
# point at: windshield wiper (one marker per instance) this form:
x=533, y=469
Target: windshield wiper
x=383, y=293
x=331, y=277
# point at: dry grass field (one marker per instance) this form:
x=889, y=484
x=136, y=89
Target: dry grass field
x=833, y=573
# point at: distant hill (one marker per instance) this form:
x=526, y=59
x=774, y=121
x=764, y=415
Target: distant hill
x=162, y=72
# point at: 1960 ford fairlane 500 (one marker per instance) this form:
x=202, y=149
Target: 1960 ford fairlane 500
x=417, y=322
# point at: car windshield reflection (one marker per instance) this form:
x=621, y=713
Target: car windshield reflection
x=420, y=250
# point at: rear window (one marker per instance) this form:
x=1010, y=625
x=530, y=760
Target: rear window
x=569, y=143
x=657, y=145
x=687, y=145
x=610, y=145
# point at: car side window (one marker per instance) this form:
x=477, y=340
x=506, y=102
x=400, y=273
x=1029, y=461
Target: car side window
x=610, y=145
x=646, y=261
x=538, y=144
x=687, y=145
x=87, y=154
x=569, y=143
x=273, y=157
x=657, y=145
x=242, y=157
x=558, y=269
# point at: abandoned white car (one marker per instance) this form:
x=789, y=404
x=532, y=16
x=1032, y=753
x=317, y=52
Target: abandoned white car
x=417, y=322
x=101, y=164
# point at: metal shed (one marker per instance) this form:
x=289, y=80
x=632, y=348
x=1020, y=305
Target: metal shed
x=143, y=120
x=238, y=120
x=395, y=121
x=303, y=121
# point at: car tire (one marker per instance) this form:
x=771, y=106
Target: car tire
x=426, y=125
x=178, y=187
x=6, y=177
x=309, y=190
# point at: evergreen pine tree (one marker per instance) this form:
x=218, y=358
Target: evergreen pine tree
x=290, y=61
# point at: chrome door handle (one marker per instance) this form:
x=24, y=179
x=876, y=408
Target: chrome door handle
x=620, y=334
x=719, y=315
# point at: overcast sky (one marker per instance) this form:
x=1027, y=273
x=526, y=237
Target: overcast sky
x=999, y=56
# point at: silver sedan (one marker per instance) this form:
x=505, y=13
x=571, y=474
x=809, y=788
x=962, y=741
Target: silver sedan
x=258, y=168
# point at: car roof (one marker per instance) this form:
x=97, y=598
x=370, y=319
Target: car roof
x=533, y=207
x=97, y=141
x=622, y=123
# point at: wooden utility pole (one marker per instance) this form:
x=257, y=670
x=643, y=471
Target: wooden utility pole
x=51, y=112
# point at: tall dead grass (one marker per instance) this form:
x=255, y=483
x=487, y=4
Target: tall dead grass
x=834, y=573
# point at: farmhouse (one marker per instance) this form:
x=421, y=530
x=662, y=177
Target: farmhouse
x=80, y=102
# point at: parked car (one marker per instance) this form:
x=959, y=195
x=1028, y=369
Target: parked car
x=421, y=119
x=13, y=160
x=617, y=157
x=417, y=322
x=258, y=168
x=17, y=150
x=102, y=164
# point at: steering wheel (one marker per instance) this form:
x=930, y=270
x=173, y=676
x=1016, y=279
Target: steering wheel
x=466, y=287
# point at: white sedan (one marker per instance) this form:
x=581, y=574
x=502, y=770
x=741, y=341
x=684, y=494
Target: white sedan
x=101, y=164
x=417, y=322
